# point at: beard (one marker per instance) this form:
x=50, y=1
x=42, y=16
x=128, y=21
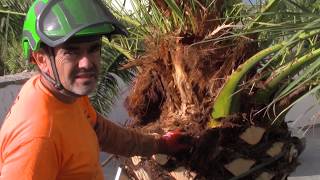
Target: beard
x=83, y=81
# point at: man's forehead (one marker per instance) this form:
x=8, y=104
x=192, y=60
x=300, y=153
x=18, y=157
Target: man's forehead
x=82, y=40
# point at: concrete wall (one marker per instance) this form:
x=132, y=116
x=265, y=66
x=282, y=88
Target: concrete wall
x=9, y=88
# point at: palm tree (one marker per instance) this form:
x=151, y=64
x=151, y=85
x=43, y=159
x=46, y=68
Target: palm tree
x=11, y=20
x=226, y=73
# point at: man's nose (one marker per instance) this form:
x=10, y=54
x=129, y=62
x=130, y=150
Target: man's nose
x=85, y=62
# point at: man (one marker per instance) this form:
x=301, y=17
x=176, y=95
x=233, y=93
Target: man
x=52, y=131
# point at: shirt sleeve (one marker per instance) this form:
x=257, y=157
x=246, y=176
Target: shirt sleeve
x=33, y=160
x=122, y=141
x=117, y=140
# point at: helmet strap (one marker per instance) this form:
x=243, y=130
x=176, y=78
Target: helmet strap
x=56, y=81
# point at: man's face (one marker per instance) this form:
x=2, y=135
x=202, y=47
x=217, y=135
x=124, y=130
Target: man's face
x=78, y=65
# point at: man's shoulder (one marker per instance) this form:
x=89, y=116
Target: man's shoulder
x=30, y=112
x=31, y=122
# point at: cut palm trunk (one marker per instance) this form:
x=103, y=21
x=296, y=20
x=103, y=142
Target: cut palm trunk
x=193, y=79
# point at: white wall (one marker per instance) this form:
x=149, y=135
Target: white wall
x=306, y=112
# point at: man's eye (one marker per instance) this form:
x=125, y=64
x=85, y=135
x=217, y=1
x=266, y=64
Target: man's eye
x=95, y=49
x=70, y=52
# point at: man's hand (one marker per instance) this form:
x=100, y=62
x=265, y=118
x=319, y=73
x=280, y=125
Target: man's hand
x=174, y=142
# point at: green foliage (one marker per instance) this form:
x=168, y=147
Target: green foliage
x=14, y=62
x=156, y=18
x=224, y=103
x=11, y=20
x=297, y=23
x=294, y=65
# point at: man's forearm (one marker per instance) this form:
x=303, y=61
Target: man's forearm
x=126, y=142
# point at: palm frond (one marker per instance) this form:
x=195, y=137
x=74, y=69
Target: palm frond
x=12, y=13
x=112, y=78
x=292, y=69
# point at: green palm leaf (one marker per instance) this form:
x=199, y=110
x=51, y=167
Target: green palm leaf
x=301, y=43
x=12, y=14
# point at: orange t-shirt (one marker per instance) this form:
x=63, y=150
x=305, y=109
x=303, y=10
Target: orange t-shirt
x=43, y=138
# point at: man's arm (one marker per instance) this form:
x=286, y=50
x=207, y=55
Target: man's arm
x=122, y=141
x=33, y=160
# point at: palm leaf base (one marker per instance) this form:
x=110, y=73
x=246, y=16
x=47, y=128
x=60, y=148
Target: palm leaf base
x=235, y=150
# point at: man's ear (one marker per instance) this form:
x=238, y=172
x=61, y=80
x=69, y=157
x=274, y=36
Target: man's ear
x=42, y=60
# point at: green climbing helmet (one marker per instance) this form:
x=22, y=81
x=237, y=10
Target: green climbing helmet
x=53, y=22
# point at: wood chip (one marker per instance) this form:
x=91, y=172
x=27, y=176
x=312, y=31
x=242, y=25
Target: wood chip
x=253, y=135
x=265, y=176
x=182, y=174
x=293, y=154
x=142, y=174
x=239, y=166
x=136, y=160
x=285, y=177
x=124, y=177
x=275, y=149
x=161, y=159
